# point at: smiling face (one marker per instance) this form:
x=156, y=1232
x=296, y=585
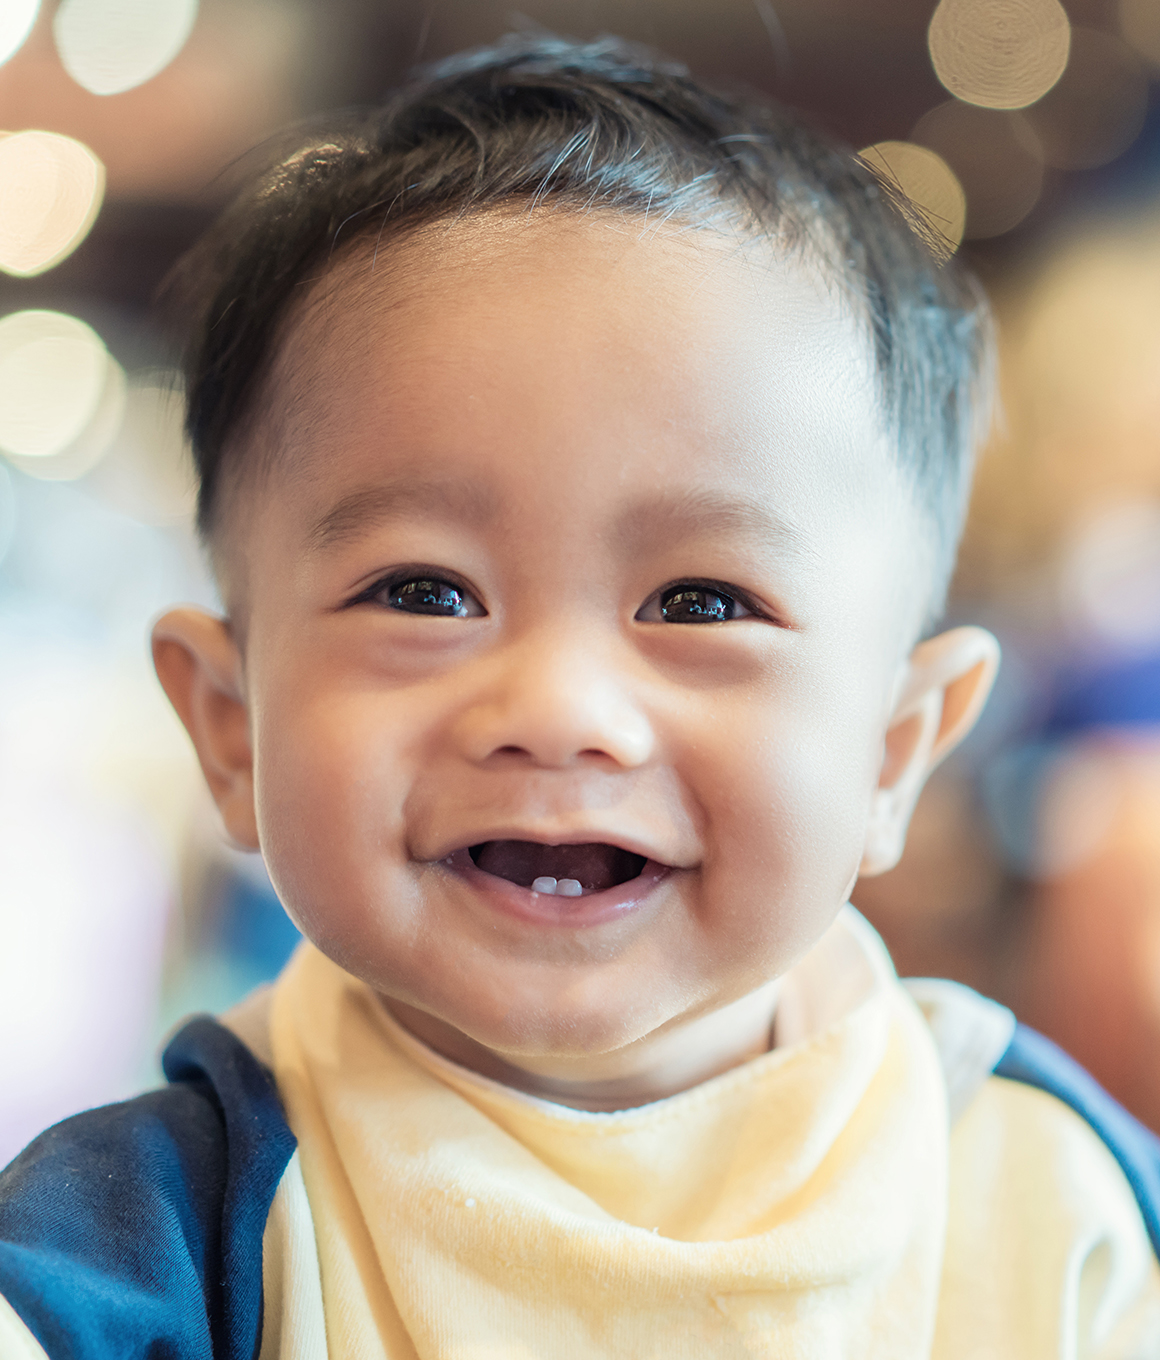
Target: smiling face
x=580, y=557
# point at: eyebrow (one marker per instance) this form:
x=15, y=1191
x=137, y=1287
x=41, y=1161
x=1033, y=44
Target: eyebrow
x=642, y=525
x=372, y=507
x=706, y=514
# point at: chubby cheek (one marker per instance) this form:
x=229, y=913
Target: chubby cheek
x=787, y=811
x=330, y=779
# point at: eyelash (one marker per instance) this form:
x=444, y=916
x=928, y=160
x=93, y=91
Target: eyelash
x=393, y=581
x=720, y=588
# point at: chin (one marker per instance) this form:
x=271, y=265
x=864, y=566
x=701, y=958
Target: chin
x=549, y=1028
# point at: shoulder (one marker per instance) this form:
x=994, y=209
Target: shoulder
x=1036, y=1063
x=1052, y=1213
x=991, y=1062
x=137, y=1228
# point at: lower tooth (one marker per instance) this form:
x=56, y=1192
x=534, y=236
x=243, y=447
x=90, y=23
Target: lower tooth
x=546, y=885
x=569, y=887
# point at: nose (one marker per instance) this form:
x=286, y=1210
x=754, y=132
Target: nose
x=555, y=704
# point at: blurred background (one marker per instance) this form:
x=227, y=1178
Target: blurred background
x=1028, y=132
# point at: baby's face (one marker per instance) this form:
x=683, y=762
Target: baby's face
x=581, y=559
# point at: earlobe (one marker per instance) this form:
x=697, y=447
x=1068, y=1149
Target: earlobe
x=199, y=667
x=944, y=687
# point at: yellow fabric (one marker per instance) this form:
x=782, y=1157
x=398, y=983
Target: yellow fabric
x=794, y=1206
x=1047, y=1257
x=808, y=1204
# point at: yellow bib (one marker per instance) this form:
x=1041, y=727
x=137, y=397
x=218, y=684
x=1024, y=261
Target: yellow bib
x=794, y=1206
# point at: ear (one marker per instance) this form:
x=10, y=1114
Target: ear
x=200, y=670
x=943, y=688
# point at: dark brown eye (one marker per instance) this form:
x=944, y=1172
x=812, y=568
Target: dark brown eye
x=424, y=596
x=698, y=604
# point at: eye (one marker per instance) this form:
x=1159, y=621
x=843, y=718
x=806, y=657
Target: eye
x=423, y=596
x=431, y=596
x=693, y=602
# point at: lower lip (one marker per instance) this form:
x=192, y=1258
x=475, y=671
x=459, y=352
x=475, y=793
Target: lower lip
x=552, y=909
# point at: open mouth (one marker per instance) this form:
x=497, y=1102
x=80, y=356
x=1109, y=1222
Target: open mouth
x=558, y=870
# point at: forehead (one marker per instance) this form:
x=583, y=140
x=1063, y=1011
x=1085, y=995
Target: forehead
x=517, y=356
x=458, y=299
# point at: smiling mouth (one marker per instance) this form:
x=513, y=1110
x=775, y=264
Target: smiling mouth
x=558, y=870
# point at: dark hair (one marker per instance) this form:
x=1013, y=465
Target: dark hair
x=603, y=124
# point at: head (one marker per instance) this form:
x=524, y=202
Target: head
x=582, y=457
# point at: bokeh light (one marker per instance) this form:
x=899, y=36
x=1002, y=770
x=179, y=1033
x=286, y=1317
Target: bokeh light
x=109, y=46
x=1109, y=584
x=995, y=159
x=1001, y=54
x=16, y=20
x=52, y=372
x=53, y=187
x=1098, y=106
x=148, y=471
x=928, y=182
x=61, y=394
x=1140, y=25
x=1081, y=400
x=1077, y=811
x=93, y=443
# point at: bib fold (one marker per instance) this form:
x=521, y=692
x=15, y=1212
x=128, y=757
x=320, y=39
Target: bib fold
x=795, y=1205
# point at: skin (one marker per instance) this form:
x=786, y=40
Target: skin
x=563, y=415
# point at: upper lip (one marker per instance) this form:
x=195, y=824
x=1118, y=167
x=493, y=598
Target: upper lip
x=586, y=835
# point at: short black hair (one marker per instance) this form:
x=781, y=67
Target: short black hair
x=592, y=125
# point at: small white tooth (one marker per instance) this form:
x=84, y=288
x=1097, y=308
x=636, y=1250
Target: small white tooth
x=545, y=885
x=569, y=887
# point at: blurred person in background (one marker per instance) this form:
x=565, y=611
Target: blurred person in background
x=1047, y=827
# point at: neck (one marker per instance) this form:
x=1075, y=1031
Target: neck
x=662, y=1064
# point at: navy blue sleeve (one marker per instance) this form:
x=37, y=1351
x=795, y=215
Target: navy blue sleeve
x=136, y=1229
x=1038, y=1062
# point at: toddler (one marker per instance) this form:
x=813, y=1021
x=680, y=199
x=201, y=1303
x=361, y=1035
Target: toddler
x=582, y=456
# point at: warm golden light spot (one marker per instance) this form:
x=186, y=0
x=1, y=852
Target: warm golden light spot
x=61, y=394
x=1081, y=402
x=930, y=185
x=1001, y=54
x=1140, y=25
x=52, y=371
x=995, y=157
x=52, y=192
x=1097, y=109
x=16, y=20
x=113, y=45
x=94, y=441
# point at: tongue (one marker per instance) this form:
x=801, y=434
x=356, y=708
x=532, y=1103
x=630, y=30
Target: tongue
x=595, y=866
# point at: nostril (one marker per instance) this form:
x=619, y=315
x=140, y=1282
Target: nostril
x=522, y=753
x=537, y=726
